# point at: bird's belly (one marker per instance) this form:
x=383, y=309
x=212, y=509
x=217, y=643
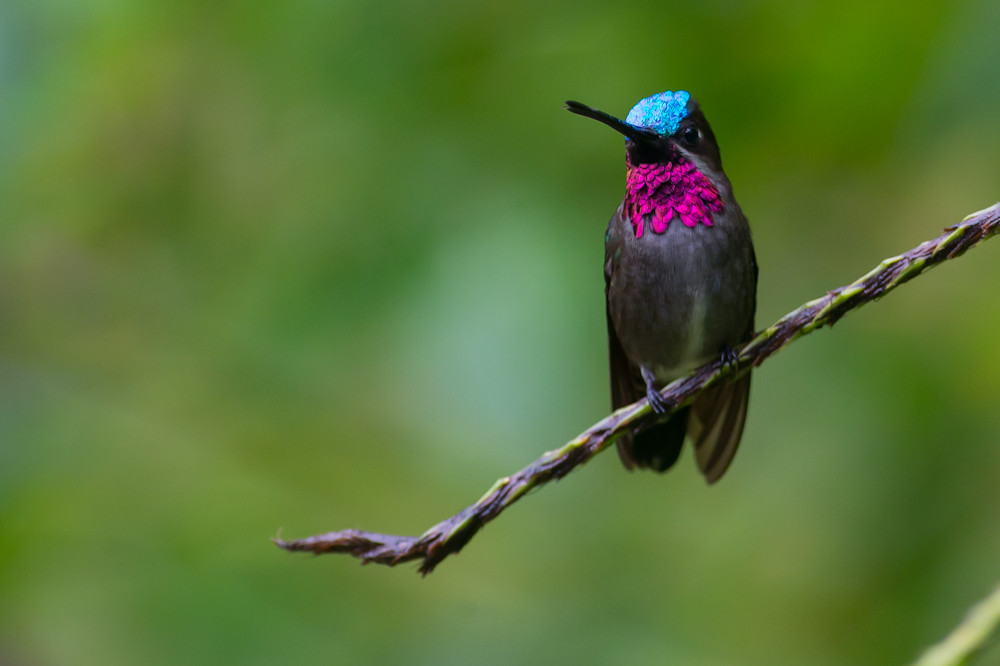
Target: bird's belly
x=692, y=351
x=663, y=327
x=679, y=300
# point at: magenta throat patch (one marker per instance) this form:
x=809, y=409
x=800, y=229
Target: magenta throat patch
x=662, y=192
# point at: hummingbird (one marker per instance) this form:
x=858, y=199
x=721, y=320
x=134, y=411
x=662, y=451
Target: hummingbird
x=680, y=281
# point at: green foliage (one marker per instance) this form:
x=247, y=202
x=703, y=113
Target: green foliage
x=322, y=265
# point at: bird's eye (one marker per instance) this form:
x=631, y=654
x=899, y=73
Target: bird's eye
x=690, y=136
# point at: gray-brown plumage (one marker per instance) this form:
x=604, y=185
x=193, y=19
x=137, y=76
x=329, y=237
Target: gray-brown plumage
x=681, y=295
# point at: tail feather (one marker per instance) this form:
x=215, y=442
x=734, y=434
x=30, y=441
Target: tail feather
x=718, y=416
x=658, y=447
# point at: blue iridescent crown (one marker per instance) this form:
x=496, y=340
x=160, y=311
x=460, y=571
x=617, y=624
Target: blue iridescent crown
x=662, y=112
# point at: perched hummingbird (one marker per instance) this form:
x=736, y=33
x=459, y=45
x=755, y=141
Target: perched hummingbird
x=680, y=281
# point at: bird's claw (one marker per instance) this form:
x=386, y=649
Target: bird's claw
x=657, y=402
x=730, y=358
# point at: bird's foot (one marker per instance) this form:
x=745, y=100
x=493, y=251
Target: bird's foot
x=730, y=358
x=657, y=402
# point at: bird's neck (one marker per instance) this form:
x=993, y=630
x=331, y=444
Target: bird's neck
x=656, y=194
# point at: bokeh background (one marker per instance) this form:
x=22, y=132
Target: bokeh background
x=316, y=265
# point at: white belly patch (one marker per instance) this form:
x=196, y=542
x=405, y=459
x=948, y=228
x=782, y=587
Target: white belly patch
x=691, y=354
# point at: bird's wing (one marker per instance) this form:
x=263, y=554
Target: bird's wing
x=717, y=425
x=718, y=414
x=658, y=446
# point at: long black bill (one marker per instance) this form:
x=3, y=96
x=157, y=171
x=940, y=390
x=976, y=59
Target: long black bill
x=638, y=134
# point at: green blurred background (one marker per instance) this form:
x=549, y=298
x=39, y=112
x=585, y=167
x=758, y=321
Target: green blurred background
x=316, y=265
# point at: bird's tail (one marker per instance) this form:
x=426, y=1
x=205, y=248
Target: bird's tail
x=716, y=425
x=658, y=447
x=714, y=422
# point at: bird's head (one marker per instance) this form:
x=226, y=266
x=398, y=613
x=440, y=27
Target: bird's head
x=662, y=128
x=675, y=170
